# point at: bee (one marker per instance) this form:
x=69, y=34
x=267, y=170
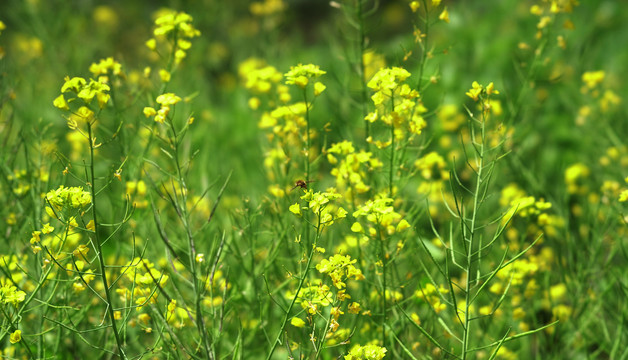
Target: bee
x=301, y=183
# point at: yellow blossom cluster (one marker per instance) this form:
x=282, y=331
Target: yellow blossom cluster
x=166, y=101
x=143, y=277
x=9, y=294
x=178, y=28
x=522, y=205
x=68, y=197
x=381, y=218
x=352, y=169
x=300, y=75
x=319, y=203
x=85, y=91
x=366, y=352
x=432, y=296
x=602, y=100
x=397, y=105
x=104, y=68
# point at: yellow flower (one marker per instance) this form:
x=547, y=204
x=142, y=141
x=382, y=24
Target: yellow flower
x=295, y=209
x=319, y=88
x=168, y=99
x=475, y=91
x=60, y=103
x=16, y=337
x=444, y=15
x=297, y=322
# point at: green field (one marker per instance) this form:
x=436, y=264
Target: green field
x=305, y=179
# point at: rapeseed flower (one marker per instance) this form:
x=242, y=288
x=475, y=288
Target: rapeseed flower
x=366, y=352
x=16, y=337
x=300, y=74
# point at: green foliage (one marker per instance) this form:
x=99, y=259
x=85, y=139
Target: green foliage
x=277, y=179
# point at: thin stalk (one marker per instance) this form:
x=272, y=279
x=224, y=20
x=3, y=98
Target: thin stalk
x=392, y=149
x=363, y=90
x=183, y=215
x=426, y=31
x=382, y=257
x=476, y=200
x=296, y=295
x=307, y=162
x=101, y=260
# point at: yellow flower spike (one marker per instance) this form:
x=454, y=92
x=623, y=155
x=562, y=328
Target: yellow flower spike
x=415, y=5
x=299, y=75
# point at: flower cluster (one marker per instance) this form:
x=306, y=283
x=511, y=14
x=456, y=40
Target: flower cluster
x=260, y=78
x=104, y=68
x=522, y=205
x=177, y=26
x=68, y=197
x=600, y=99
x=432, y=296
x=300, y=75
x=397, y=105
x=9, y=294
x=143, y=277
x=380, y=215
x=352, y=169
x=85, y=91
x=319, y=204
x=366, y=352
x=340, y=267
x=166, y=101
x=137, y=189
x=311, y=298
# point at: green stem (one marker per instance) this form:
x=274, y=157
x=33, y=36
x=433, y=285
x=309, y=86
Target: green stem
x=424, y=47
x=183, y=215
x=392, y=149
x=101, y=260
x=382, y=257
x=470, y=249
x=363, y=80
x=296, y=295
x=307, y=162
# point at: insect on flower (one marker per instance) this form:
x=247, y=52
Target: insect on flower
x=302, y=184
